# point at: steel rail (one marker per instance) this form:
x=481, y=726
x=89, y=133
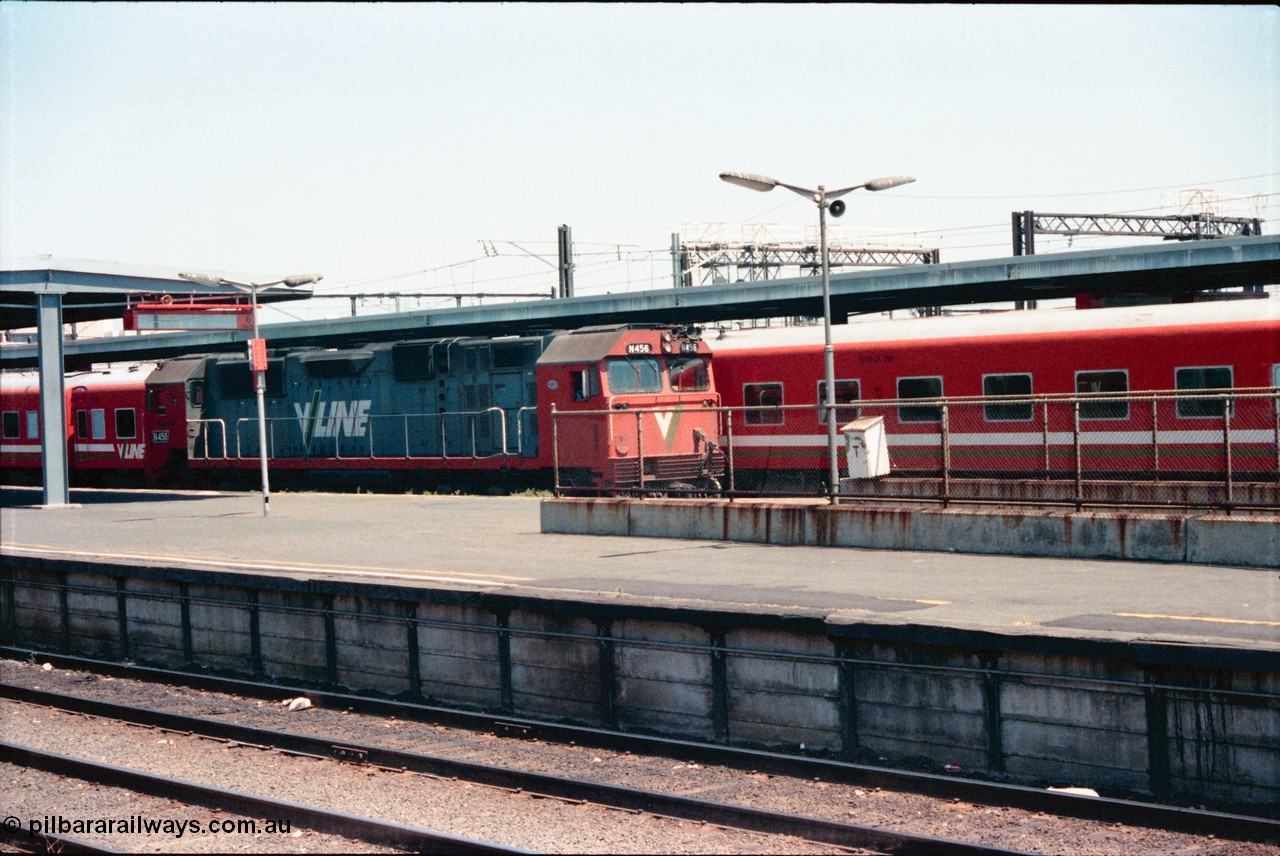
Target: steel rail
x=559, y=787
x=326, y=821
x=1222, y=824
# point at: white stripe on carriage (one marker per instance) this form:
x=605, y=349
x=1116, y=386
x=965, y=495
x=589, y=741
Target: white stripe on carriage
x=1025, y=438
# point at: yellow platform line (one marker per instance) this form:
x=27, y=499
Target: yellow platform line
x=358, y=570
x=1198, y=618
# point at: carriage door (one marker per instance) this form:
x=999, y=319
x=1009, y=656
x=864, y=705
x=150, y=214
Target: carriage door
x=508, y=394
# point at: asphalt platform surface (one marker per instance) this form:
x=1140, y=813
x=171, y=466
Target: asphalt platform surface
x=495, y=544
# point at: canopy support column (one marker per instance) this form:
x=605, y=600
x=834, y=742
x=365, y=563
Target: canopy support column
x=53, y=408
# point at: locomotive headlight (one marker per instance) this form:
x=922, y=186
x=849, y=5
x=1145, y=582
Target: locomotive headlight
x=666, y=347
x=666, y=335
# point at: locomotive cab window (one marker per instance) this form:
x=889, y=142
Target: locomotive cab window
x=1008, y=384
x=633, y=375
x=98, y=420
x=919, y=387
x=847, y=392
x=155, y=401
x=762, y=395
x=689, y=374
x=11, y=424
x=586, y=384
x=82, y=424
x=1201, y=378
x=1103, y=381
x=126, y=423
x=33, y=425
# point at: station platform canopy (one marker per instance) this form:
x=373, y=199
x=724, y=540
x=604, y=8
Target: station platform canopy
x=45, y=292
x=1177, y=270
x=101, y=290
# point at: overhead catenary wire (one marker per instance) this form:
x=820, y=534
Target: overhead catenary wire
x=604, y=257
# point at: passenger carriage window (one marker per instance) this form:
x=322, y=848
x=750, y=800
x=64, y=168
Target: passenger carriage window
x=99, y=419
x=919, y=387
x=126, y=423
x=1009, y=384
x=586, y=384
x=634, y=374
x=689, y=374
x=1200, y=378
x=33, y=425
x=847, y=392
x=762, y=395
x=11, y=425
x=82, y=424
x=1103, y=381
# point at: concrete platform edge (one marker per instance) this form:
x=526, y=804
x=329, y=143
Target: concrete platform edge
x=1242, y=541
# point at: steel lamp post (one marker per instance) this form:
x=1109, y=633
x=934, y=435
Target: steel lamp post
x=825, y=199
x=258, y=357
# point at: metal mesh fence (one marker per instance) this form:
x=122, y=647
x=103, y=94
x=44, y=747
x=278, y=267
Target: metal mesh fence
x=676, y=449
x=1207, y=448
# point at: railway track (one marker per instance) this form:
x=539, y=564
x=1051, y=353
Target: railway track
x=1222, y=824
x=845, y=835
x=1226, y=824
x=350, y=826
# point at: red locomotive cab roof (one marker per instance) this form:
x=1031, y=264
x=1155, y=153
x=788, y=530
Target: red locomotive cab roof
x=102, y=380
x=110, y=380
x=19, y=383
x=594, y=344
x=22, y=389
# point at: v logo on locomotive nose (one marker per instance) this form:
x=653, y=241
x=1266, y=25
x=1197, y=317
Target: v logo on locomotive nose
x=666, y=422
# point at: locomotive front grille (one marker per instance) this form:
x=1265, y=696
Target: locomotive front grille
x=667, y=468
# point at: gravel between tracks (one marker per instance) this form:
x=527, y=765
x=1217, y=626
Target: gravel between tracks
x=26, y=796
x=524, y=821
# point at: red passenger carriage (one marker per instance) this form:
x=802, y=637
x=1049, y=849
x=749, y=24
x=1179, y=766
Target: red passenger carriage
x=1183, y=349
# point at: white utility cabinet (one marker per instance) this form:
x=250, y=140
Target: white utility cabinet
x=866, y=448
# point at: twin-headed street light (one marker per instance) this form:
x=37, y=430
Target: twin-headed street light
x=825, y=199
x=257, y=356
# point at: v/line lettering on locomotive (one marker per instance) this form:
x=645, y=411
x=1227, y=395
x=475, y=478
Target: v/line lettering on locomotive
x=343, y=418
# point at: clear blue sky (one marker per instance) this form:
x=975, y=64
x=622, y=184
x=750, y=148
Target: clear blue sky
x=367, y=141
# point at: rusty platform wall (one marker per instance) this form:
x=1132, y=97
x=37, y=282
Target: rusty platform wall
x=1212, y=539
